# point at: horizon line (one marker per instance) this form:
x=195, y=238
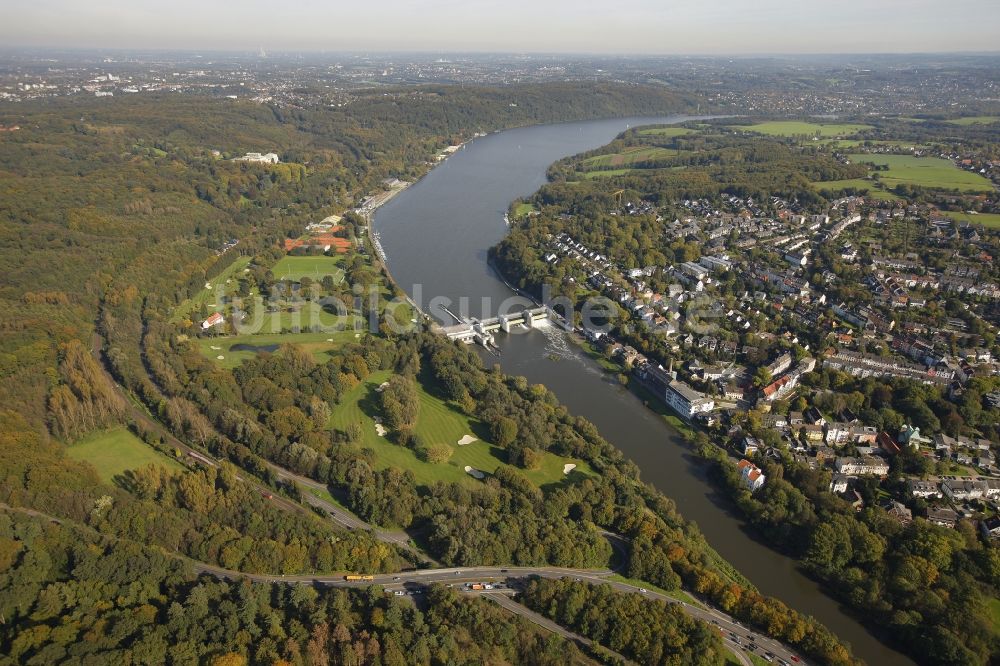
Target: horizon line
x=275, y=52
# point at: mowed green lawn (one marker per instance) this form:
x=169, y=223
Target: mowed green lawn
x=800, y=128
x=991, y=220
x=855, y=143
x=608, y=173
x=858, y=184
x=437, y=423
x=115, y=451
x=295, y=268
x=523, y=208
x=976, y=120
x=933, y=172
x=631, y=155
x=320, y=345
x=667, y=131
x=221, y=285
x=301, y=316
x=993, y=604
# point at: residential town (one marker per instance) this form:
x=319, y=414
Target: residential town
x=752, y=351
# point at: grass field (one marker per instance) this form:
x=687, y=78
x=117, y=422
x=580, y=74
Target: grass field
x=221, y=285
x=854, y=143
x=117, y=450
x=857, y=183
x=667, y=131
x=629, y=156
x=297, y=267
x=610, y=173
x=932, y=172
x=993, y=604
x=318, y=344
x=991, y=220
x=522, y=209
x=289, y=317
x=437, y=423
x=798, y=128
x=976, y=120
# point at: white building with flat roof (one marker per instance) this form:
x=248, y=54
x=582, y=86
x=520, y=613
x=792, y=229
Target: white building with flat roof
x=266, y=158
x=686, y=401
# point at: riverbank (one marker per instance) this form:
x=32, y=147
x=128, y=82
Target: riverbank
x=438, y=236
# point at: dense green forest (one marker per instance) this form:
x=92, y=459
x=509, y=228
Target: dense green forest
x=114, y=214
x=70, y=595
x=649, y=633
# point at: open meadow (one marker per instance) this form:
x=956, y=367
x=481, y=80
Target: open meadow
x=801, y=128
x=932, y=172
x=234, y=349
x=437, y=423
x=115, y=451
x=991, y=220
x=296, y=267
x=667, y=131
x=975, y=120
x=629, y=156
x=859, y=184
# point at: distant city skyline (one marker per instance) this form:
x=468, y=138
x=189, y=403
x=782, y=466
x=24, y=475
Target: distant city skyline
x=695, y=27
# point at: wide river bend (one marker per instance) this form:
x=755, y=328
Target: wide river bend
x=436, y=235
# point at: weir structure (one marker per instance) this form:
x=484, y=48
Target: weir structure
x=481, y=331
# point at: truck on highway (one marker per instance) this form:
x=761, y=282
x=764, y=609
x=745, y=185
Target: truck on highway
x=353, y=577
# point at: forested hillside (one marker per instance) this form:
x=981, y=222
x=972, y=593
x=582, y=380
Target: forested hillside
x=112, y=212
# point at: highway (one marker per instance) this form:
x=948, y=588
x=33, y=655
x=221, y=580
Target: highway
x=736, y=637
x=545, y=623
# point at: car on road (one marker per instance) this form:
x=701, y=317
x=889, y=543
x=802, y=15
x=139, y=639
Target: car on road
x=752, y=646
x=395, y=577
x=795, y=659
x=643, y=590
x=503, y=571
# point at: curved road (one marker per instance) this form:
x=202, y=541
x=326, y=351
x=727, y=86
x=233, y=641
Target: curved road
x=736, y=637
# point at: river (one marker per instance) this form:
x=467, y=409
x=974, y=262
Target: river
x=436, y=235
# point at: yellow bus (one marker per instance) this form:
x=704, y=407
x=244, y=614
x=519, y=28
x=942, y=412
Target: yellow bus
x=359, y=577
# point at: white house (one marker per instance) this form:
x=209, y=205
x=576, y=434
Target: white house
x=920, y=488
x=752, y=477
x=215, y=319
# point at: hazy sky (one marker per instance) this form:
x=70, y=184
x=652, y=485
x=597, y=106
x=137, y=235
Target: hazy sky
x=579, y=26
